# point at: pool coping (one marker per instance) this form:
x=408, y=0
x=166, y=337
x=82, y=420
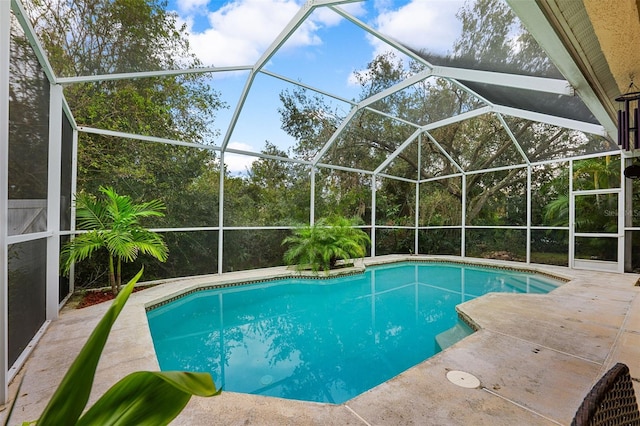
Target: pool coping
x=357, y=269
x=511, y=391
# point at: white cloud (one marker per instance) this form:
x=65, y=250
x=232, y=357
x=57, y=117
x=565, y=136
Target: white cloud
x=189, y=6
x=236, y=163
x=421, y=24
x=329, y=18
x=431, y=25
x=352, y=81
x=241, y=31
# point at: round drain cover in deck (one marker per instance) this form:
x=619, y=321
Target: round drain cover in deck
x=460, y=378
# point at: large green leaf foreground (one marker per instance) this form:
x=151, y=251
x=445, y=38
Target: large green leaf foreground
x=141, y=398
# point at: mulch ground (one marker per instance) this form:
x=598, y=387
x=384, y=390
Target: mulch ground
x=93, y=297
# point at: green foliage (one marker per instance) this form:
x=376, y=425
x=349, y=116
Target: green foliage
x=438, y=206
x=321, y=245
x=395, y=241
x=596, y=173
x=440, y=241
x=141, y=398
x=395, y=203
x=556, y=213
x=594, y=213
x=250, y=249
x=113, y=223
x=93, y=37
x=274, y=192
x=490, y=40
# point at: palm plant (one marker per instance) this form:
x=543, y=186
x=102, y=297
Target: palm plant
x=321, y=245
x=113, y=223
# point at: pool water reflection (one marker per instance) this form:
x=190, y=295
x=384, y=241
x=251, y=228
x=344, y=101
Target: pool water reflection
x=323, y=340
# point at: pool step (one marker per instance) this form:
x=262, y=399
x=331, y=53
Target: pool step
x=453, y=335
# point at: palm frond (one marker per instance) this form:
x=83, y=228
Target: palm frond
x=150, y=243
x=90, y=213
x=80, y=248
x=320, y=245
x=150, y=208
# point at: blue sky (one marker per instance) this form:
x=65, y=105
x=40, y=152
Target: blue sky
x=324, y=52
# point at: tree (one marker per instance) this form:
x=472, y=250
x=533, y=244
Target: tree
x=113, y=224
x=491, y=40
x=279, y=190
x=589, y=174
x=95, y=37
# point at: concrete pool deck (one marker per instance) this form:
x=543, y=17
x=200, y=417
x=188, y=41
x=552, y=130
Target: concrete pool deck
x=536, y=357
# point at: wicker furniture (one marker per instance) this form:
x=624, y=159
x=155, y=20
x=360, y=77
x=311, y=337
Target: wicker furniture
x=610, y=402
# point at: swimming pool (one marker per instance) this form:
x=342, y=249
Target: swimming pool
x=325, y=340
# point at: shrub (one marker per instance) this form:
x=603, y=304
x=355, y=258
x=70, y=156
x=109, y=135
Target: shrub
x=321, y=245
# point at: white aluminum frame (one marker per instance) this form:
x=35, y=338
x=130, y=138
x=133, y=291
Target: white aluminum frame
x=5, y=37
x=453, y=75
x=618, y=265
x=53, y=200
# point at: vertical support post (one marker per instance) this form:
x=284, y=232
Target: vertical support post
x=221, y=214
x=463, y=237
x=74, y=190
x=373, y=215
x=572, y=219
x=5, y=39
x=416, y=248
x=627, y=193
x=53, y=200
x=529, y=213
x=312, y=197
x=623, y=209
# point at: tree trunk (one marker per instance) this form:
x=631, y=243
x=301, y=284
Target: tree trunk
x=112, y=276
x=119, y=275
x=332, y=262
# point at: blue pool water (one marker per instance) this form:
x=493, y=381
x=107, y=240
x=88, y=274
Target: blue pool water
x=324, y=340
